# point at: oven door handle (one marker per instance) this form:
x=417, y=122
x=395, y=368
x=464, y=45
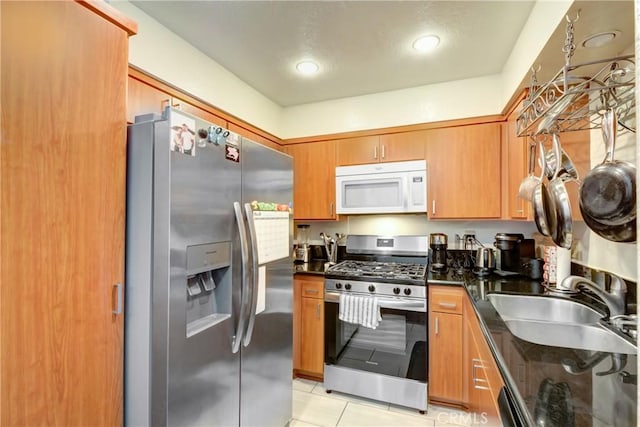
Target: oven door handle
x=395, y=303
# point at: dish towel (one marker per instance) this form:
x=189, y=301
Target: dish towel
x=362, y=310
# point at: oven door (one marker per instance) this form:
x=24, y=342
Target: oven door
x=397, y=347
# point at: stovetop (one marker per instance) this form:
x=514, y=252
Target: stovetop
x=382, y=272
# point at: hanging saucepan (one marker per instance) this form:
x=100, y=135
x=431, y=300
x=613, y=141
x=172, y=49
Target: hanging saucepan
x=540, y=202
x=562, y=231
x=608, y=192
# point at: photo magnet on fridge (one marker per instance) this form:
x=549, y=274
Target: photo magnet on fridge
x=231, y=152
x=183, y=134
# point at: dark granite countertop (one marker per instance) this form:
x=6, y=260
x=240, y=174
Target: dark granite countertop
x=552, y=386
x=315, y=267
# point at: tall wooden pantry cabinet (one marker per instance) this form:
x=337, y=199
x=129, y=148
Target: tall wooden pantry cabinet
x=62, y=212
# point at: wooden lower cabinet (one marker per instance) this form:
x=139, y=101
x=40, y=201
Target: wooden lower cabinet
x=308, y=326
x=483, y=377
x=445, y=344
x=462, y=369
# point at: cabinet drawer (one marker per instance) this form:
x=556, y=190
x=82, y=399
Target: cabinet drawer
x=445, y=300
x=312, y=288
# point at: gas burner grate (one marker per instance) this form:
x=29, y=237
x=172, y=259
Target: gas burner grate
x=369, y=270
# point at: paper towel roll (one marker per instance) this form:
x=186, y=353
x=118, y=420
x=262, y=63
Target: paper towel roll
x=563, y=265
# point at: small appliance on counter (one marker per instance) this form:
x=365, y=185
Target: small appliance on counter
x=485, y=261
x=438, y=245
x=517, y=256
x=302, y=248
x=509, y=250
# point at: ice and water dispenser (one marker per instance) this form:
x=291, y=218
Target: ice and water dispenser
x=208, y=285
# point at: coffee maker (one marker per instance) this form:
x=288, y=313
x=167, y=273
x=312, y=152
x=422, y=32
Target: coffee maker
x=509, y=247
x=438, y=245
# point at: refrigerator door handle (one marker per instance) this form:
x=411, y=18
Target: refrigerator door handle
x=254, y=273
x=244, y=249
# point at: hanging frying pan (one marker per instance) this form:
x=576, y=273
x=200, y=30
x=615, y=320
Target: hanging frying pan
x=540, y=202
x=562, y=232
x=608, y=191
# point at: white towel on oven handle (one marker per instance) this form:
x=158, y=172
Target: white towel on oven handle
x=360, y=309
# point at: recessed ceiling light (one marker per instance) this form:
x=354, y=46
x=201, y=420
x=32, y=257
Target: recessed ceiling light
x=307, y=67
x=426, y=43
x=600, y=39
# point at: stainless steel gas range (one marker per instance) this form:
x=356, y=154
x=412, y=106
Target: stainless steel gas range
x=388, y=363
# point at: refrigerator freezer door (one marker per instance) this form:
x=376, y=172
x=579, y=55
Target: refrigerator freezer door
x=203, y=386
x=266, y=387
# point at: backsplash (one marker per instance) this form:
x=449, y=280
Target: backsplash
x=418, y=224
x=589, y=249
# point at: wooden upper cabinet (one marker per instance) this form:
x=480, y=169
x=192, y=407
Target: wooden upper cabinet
x=399, y=147
x=314, y=180
x=516, y=156
x=198, y=112
x=463, y=167
x=143, y=98
x=358, y=151
x=395, y=147
x=254, y=136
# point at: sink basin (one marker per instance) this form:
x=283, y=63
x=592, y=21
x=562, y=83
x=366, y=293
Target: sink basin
x=558, y=322
x=592, y=337
x=547, y=309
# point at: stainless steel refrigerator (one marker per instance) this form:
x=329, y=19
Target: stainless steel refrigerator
x=209, y=277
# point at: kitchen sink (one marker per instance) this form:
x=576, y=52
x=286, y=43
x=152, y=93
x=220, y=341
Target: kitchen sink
x=542, y=308
x=558, y=322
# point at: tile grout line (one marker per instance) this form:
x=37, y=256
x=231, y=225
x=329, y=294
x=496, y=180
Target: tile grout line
x=342, y=413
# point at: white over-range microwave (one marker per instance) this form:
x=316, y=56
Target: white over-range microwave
x=398, y=187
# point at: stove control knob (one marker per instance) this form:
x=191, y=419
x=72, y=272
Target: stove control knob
x=372, y=288
x=407, y=291
x=347, y=286
x=396, y=291
x=338, y=285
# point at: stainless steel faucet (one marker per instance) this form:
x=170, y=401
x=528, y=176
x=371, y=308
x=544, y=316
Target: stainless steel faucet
x=614, y=299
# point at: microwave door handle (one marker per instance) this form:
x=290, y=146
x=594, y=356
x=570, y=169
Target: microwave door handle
x=253, y=284
x=244, y=291
x=407, y=191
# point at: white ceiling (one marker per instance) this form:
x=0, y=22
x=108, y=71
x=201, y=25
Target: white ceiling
x=365, y=46
x=362, y=47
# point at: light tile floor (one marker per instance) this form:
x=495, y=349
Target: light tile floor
x=313, y=407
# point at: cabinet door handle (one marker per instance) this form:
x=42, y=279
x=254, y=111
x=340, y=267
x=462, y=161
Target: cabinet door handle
x=433, y=206
x=311, y=291
x=375, y=152
x=437, y=328
x=477, y=382
x=447, y=304
x=163, y=102
x=382, y=154
x=118, y=309
x=318, y=311
x=331, y=209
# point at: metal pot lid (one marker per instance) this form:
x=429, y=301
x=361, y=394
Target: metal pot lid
x=438, y=239
x=509, y=237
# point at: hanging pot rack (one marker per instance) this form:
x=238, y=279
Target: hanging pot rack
x=570, y=101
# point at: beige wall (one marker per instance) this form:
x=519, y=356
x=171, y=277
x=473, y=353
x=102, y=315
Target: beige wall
x=162, y=53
